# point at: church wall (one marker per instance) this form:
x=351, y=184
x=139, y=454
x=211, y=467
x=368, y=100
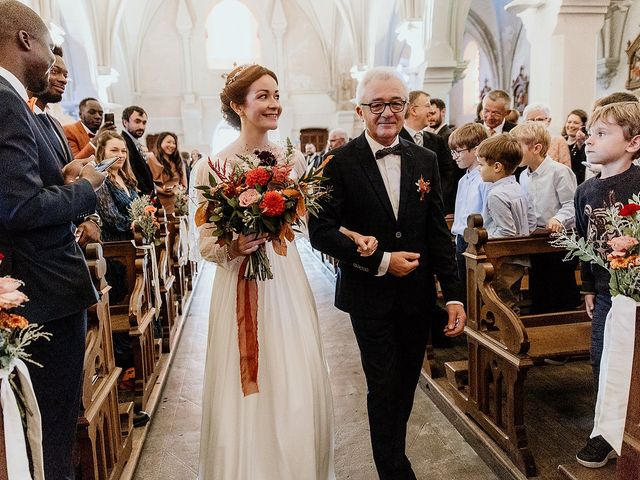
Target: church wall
x=631, y=31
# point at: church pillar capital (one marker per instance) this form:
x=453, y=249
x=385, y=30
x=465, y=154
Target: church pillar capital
x=563, y=35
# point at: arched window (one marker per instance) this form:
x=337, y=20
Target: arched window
x=232, y=36
x=471, y=82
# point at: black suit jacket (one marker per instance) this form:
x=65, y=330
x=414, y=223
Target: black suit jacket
x=359, y=202
x=57, y=139
x=449, y=174
x=36, y=215
x=139, y=166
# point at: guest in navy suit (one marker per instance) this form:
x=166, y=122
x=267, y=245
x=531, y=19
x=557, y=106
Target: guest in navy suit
x=387, y=187
x=89, y=230
x=37, y=212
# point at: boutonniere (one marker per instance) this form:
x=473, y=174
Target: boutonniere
x=424, y=187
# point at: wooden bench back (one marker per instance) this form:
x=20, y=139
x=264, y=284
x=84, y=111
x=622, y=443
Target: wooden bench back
x=486, y=312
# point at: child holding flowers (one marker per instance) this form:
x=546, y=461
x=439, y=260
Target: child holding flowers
x=613, y=143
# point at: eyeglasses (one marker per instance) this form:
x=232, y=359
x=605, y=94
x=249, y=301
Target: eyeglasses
x=538, y=119
x=456, y=153
x=377, y=108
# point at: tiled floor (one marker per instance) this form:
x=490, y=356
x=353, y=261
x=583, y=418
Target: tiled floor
x=435, y=448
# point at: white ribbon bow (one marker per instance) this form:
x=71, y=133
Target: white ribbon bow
x=15, y=444
x=156, y=277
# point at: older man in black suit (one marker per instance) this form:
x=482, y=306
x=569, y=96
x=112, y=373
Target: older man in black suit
x=36, y=232
x=495, y=106
x=387, y=187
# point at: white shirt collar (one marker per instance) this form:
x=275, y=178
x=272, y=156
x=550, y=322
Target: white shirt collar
x=86, y=129
x=15, y=83
x=411, y=131
x=498, y=129
x=375, y=146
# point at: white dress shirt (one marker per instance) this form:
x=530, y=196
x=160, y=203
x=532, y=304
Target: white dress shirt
x=551, y=188
x=15, y=83
x=389, y=167
x=417, y=136
x=497, y=130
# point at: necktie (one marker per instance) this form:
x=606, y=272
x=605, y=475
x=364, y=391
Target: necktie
x=492, y=132
x=91, y=135
x=383, y=152
x=418, y=137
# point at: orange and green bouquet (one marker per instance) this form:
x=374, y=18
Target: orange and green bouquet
x=15, y=332
x=618, y=252
x=257, y=195
x=143, y=214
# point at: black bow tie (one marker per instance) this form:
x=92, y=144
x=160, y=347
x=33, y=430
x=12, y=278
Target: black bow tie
x=383, y=152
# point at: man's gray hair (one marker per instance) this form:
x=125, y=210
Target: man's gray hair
x=498, y=95
x=379, y=73
x=532, y=107
x=339, y=131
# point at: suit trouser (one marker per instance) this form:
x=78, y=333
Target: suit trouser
x=58, y=386
x=392, y=349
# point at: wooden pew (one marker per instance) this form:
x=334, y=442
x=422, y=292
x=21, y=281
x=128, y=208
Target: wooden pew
x=503, y=346
x=179, y=245
x=103, y=434
x=135, y=314
x=168, y=312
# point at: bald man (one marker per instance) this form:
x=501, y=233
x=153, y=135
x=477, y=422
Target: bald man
x=37, y=239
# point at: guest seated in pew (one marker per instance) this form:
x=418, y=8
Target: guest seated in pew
x=168, y=170
x=114, y=199
x=471, y=196
x=613, y=143
x=119, y=189
x=508, y=212
x=550, y=187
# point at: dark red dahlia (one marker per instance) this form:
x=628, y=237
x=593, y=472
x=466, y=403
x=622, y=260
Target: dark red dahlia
x=266, y=158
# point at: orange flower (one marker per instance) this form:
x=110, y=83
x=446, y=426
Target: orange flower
x=150, y=209
x=12, y=321
x=618, y=263
x=272, y=204
x=257, y=176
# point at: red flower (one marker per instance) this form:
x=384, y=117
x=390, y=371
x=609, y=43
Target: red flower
x=272, y=204
x=257, y=176
x=629, y=209
x=1, y=256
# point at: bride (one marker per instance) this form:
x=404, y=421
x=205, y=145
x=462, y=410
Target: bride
x=285, y=431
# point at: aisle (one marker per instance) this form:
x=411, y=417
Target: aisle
x=436, y=449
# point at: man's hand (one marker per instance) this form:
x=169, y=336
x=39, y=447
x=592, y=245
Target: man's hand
x=555, y=225
x=590, y=303
x=71, y=170
x=96, y=179
x=87, y=232
x=403, y=263
x=457, y=320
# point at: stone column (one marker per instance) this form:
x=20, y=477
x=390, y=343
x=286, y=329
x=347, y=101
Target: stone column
x=190, y=108
x=564, y=47
x=444, y=24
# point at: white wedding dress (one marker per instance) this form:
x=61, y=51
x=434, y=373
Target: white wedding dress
x=285, y=431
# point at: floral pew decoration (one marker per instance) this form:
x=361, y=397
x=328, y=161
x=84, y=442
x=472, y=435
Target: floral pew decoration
x=619, y=254
x=20, y=412
x=256, y=195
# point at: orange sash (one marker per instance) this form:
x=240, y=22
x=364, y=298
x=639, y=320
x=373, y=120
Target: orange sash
x=247, y=316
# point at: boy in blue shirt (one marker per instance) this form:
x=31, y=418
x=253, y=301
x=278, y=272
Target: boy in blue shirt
x=471, y=196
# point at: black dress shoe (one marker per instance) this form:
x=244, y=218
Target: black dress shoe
x=141, y=418
x=596, y=453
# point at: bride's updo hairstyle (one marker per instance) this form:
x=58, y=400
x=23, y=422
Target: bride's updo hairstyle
x=236, y=88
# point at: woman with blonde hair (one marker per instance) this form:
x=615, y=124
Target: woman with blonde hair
x=118, y=190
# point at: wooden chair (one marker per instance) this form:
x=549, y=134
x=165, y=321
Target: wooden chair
x=503, y=346
x=104, y=446
x=135, y=314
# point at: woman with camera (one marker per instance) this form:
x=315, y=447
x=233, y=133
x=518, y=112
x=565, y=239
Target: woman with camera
x=168, y=170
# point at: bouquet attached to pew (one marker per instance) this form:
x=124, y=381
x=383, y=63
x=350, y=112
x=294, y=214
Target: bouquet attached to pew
x=257, y=196
x=181, y=206
x=622, y=258
x=143, y=214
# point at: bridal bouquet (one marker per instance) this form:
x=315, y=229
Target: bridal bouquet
x=143, y=214
x=181, y=206
x=623, y=260
x=257, y=196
